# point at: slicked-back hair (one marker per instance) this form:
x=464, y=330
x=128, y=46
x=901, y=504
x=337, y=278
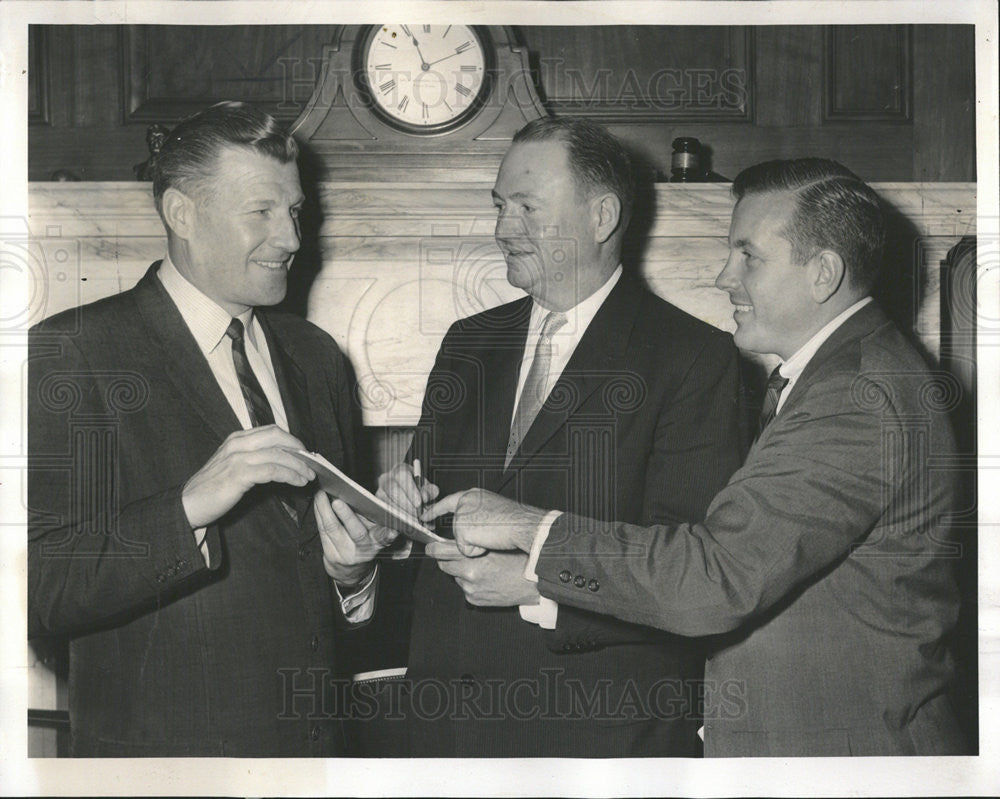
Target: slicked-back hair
x=834, y=210
x=598, y=160
x=187, y=159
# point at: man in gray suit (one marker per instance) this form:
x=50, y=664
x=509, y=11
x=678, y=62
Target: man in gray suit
x=825, y=565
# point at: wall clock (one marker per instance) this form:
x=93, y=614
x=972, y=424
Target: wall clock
x=424, y=79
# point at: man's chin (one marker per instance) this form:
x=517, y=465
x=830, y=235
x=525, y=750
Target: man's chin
x=522, y=276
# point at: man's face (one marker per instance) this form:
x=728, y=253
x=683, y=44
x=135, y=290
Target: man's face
x=245, y=230
x=544, y=227
x=775, y=309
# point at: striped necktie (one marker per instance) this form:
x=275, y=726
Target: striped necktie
x=775, y=385
x=259, y=409
x=533, y=394
x=253, y=394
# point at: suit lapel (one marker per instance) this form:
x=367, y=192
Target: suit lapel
x=182, y=359
x=596, y=358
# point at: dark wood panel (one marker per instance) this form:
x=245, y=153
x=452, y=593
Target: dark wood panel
x=63, y=73
x=167, y=77
x=636, y=73
x=38, y=76
x=944, y=146
x=92, y=153
x=95, y=58
x=876, y=151
x=868, y=72
x=788, y=75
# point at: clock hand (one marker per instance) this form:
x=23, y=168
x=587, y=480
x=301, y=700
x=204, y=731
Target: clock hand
x=432, y=63
x=423, y=61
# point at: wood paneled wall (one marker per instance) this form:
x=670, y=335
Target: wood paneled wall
x=893, y=102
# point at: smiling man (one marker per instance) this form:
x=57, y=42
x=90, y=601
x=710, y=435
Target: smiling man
x=825, y=566
x=591, y=395
x=171, y=538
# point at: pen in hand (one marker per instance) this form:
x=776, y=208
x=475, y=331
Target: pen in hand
x=419, y=480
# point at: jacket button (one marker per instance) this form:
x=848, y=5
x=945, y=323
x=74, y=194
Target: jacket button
x=160, y=578
x=567, y=647
x=303, y=552
x=314, y=643
x=593, y=585
x=579, y=581
x=314, y=733
x=565, y=576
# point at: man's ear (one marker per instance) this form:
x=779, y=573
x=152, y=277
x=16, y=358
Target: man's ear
x=829, y=271
x=178, y=212
x=607, y=211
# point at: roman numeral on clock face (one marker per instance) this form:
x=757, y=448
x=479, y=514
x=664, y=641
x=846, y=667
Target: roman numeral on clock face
x=403, y=103
x=462, y=90
x=387, y=87
x=463, y=47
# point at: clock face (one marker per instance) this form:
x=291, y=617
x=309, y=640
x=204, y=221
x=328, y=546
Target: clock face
x=425, y=79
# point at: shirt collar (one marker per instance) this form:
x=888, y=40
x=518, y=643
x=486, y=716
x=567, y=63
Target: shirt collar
x=580, y=315
x=793, y=367
x=205, y=318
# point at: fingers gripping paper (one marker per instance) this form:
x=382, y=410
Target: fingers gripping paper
x=363, y=501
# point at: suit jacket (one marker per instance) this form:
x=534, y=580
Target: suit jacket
x=168, y=657
x=642, y=424
x=826, y=562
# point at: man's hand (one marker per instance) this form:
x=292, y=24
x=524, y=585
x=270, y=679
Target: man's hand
x=245, y=459
x=350, y=542
x=495, y=579
x=484, y=520
x=399, y=487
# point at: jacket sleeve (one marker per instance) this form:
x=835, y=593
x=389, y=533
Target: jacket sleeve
x=814, y=486
x=697, y=447
x=90, y=560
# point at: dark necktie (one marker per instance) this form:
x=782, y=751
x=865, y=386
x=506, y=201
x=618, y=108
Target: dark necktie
x=253, y=394
x=258, y=406
x=533, y=393
x=775, y=385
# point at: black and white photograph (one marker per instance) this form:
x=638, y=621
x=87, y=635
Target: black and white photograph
x=500, y=398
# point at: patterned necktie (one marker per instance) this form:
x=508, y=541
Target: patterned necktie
x=775, y=385
x=253, y=394
x=259, y=408
x=533, y=394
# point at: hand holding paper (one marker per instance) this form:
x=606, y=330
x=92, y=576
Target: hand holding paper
x=350, y=542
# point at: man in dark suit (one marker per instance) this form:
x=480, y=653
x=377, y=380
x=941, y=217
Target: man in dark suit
x=826, y=562
x=584, y=396
x=169, y=533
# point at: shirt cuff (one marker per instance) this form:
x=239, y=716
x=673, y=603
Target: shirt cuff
x=541, y=534
x=359, y=605
x=544, y=614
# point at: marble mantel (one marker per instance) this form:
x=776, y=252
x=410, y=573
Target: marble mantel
x=396, y=263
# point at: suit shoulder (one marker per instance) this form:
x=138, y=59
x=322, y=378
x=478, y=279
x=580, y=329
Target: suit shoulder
x=657, y=317
x=500, y=317
x=87, y=317
x=292, y=327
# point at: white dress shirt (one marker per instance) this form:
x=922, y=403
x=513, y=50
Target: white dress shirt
x=208, y=322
